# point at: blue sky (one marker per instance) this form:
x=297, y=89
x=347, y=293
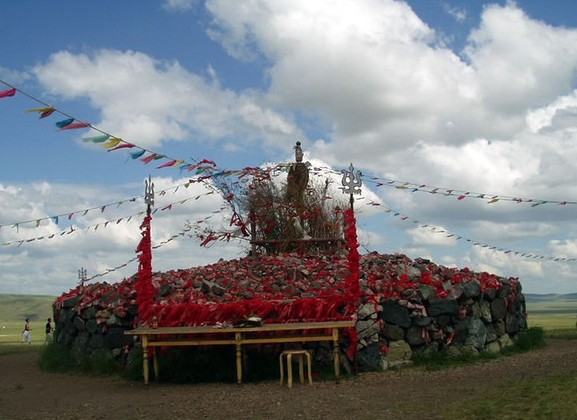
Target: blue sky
x=470, y=97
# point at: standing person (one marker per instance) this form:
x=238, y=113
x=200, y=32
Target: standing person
x=26, y=337
x=49, y=331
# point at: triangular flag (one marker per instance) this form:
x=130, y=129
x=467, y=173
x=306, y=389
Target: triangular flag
x=113, y=142
x=97, y=139
x=74, y=125
x=7, y=93
x=122, y=146
x=136, y=155
x=64, y=123
x=149, y=158
x=44, y=112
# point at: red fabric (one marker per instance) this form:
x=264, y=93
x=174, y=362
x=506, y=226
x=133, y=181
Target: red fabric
x=149, y=158
x=352, y=282
x=145, y=293
x=7, y=93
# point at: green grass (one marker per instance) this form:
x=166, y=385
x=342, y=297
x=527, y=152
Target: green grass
x=11, y=333
x=550, y=397
x=20, y=307
x=552, y=312
x=14, y=309
x=58, y=359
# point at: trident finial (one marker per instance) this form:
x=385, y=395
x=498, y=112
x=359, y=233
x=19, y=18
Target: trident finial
x=149, y=192
x=352, y=180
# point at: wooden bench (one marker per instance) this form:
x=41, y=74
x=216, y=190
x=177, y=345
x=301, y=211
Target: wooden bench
x=238, y=336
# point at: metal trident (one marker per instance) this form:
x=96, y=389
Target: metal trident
x=148, y=193
x=352, y=182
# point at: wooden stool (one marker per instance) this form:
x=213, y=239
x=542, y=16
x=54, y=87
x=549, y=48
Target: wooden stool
x=300, y=354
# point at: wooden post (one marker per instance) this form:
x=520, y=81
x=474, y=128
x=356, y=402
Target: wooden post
x=238, y=338
x=145, y=358
x=336, y=360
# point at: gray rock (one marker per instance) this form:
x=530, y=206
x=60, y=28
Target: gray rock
x=461, y=331
x=422, y=321
x=415, y=336
x=491, y=333
x=367, y=328
x=505, y=341
x=115, y=337
x=498, y=308
x=370, y=358
x=472, y=289
x=490, y=294
x=499, y=327
x=71, y=302
x=442, y=307
x=443, y=320
x=477, y=334
x=485, y=314
x=512, y=325
x=89, y=313
x=394, y=314
x=368, y=310
x=79, y=324
x=91, y=326
x=493, y=347
x=393, y=332
x=428, y=292
x=399, y=351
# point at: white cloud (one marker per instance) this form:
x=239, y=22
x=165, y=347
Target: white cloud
x=179, y=5
x=99, y=240
x=427, y=236
x=521, y=63
x=457, y=13
x=147, y=101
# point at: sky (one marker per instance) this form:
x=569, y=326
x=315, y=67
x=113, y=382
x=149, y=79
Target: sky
x=461, y=115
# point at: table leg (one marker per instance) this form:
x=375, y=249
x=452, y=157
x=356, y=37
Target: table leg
x=281, y=364
x=289, y=363
x=145, y=358
x=155, y=363
x=336, y=354
x=238, y=338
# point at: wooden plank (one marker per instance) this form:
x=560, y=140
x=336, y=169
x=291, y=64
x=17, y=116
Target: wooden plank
x=199, y=342
x=287, y=339
x=263, y=328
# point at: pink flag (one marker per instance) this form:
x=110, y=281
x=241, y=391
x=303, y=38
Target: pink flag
x=6, y=93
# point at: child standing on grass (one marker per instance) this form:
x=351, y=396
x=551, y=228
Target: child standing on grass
x=26, y=337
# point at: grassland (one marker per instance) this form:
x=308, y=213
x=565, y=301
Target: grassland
x=14, y=309
x=552, y=312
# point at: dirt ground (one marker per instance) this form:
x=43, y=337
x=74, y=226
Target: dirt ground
x=29, y=393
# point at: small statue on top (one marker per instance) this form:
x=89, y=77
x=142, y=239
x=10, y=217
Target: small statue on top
x=298, y=178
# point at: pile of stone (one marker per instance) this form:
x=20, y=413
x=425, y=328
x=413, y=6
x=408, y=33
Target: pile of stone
x=405, y=306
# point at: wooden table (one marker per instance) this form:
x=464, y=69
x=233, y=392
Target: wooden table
x=237, y=336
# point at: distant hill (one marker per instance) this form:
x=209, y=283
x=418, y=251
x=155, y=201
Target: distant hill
x=20, y=307
x=550, y=297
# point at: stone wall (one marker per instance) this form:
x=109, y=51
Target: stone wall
x=470, y=320
x=95, y=328
x=405, y=306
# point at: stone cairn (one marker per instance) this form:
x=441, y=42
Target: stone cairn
x=406, y=306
